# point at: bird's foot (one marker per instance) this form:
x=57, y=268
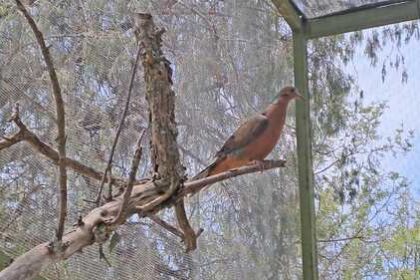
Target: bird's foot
x=259, y=163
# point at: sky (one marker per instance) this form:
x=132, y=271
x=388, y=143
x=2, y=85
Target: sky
x=403, y=100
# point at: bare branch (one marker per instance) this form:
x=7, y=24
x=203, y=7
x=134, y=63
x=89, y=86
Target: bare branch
x=97, y=226
x=161, y=99
x=120, y=126
x=7, y=142
x=193, y=187
x=132, y=177
x=341, y=239
x=166, y=226
x=61, y=122
x=190, y=237
x=28, y=136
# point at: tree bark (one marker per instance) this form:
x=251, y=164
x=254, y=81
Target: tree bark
x=97, y=226
x=161, y=99
x=165, y=189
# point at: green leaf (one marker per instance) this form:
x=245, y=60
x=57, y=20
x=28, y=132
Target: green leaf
x=115, y=239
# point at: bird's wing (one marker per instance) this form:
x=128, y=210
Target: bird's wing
x=244, y=135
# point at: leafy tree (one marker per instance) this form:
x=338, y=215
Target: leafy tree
x=228, y=60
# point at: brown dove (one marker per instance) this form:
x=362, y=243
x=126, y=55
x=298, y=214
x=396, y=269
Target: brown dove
x=255, y=138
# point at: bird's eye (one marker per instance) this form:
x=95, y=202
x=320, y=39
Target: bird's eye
x=293, y=90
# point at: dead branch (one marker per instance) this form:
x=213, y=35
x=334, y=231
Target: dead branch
x=134, y=167
x=190, y=237
x=96, y=226
x=120, y=126
x=61, y=121
x=166, y=226
x=28, y=136
x=7, y=142
x=195, y=186
x=162, y=191
x=161, y=99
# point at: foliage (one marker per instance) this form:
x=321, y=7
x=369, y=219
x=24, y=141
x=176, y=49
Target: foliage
x=229, y=58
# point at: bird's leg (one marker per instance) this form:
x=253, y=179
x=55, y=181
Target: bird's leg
x=259, y=163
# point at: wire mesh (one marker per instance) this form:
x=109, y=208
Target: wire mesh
x=311, y=8
x=228, y=61
x=368, y=219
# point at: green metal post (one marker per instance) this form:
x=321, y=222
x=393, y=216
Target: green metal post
x=358, y=19
x=304, y=151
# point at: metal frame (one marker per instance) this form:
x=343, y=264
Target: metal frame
x=304, y=151
x=369, y=16
x=354, y=19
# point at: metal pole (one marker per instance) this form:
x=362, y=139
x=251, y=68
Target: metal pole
x=304, y=152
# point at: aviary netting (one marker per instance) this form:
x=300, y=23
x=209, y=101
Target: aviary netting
x=40, y=149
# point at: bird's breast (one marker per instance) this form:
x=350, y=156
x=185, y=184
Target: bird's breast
x=264, y=144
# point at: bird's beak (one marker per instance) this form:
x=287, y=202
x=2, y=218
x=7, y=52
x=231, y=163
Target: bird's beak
x=300, y=97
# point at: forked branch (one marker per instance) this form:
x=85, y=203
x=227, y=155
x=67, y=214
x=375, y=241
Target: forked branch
x=61, y=121
x=165, y=189
x=26, y=135
x=119, y=129
x=9, y=141
x=97, y=225
x=132, y=177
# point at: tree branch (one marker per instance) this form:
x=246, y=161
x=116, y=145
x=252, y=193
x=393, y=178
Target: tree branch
x=341, y=239
x=61, y=121
x=7, y=142
x=28, y=136
x=161, y=99
x=193, y=187
x=132, y=177
x=189, y=235
x=97, y=227
x=120, y=126
x=166, y=226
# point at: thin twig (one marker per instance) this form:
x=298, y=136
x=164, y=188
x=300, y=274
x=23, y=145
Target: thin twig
x=61, y=123
x=190, y=237
x=132, y=177
x=109, y=196
x=195, y=186
x=166, y=226
x=9, y=141
x=102, y=255
x=120, y=126
x=85, y=234
x=28, y=136
x=341, y=239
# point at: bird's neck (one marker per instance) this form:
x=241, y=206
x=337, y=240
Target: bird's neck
x=277, y=111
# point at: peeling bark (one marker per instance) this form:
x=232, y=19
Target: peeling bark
x=161, y=99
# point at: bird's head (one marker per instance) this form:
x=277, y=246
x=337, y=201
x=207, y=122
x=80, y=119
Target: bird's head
x=289, y=93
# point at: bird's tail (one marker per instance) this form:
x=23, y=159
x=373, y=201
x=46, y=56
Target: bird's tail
x=206, y=171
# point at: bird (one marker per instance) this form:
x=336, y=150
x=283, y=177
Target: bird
x=255, y=138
